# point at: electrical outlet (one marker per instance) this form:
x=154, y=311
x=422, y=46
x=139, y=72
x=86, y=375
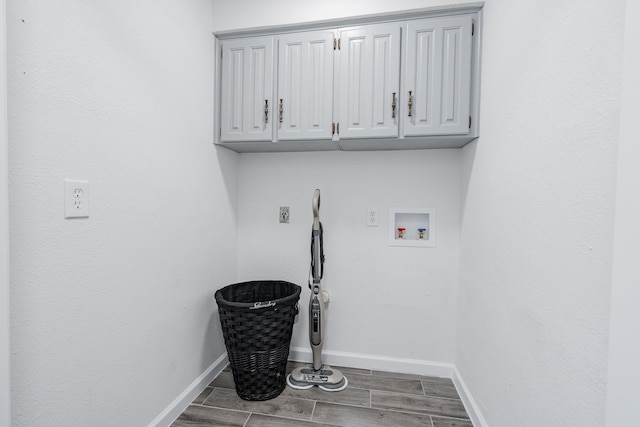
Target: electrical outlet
x=372, y=217
x=284, y=214
x=76, y=198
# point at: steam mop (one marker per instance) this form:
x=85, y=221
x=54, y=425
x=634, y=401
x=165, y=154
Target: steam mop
x=324, y=376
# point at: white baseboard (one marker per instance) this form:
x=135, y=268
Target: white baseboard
x=376, y=362
x=181, y=402
x=467, y=399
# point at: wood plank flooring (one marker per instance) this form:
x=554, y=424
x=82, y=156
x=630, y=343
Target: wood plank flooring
x=372, y=399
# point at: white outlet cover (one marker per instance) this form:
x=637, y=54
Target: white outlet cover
x=372, y=217
x=76, y=198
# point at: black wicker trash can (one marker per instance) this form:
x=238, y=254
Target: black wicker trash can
x=257, y=322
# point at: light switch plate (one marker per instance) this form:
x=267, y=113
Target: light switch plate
x=76, y=198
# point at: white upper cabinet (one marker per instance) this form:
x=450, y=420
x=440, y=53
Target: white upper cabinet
x=406, y=80
x=247, y=89
x=368, y=81
x=305, y=85
x=438, y=76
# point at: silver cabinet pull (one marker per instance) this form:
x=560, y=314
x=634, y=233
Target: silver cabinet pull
x=393, y=106
x=281, y=110
x=266, y=111
x=410, y=102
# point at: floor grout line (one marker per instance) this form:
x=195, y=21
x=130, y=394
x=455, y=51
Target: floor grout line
x=251, y=413
x=427, y=414
x=315, y=403
x=353, y=405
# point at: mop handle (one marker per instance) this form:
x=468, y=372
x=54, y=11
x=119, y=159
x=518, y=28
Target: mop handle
x=316, y=241
x=316, y=209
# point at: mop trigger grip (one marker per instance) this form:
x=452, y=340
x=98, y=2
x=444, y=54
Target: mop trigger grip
x=314, y=271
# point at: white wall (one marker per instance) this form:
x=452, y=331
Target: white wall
x=5, y=397
x=624, y=340
x=538, y=208
x=536, y=214
x=117, y=306
x=112, y=317
x=386, y=301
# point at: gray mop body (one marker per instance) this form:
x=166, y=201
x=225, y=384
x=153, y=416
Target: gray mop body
x=324, y=376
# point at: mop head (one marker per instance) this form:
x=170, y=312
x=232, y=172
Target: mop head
x=327, y=379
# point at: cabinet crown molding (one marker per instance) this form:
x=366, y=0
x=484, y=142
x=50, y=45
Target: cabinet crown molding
x=392, y=16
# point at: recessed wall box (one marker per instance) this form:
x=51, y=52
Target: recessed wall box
x=412, y=227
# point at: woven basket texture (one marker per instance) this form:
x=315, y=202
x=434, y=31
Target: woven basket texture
x=257, y=322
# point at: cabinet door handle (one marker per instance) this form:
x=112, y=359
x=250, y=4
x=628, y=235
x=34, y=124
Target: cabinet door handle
x=410, y=102
x=393, y=106
x=281, y=110
x=266, y=111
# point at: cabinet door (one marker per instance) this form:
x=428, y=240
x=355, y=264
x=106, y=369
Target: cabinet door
x=247, y=88
x=305, y=85
x=369, y=77
x=438, y=75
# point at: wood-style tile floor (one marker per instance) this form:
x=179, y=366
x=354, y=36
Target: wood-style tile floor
x=372, y=399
